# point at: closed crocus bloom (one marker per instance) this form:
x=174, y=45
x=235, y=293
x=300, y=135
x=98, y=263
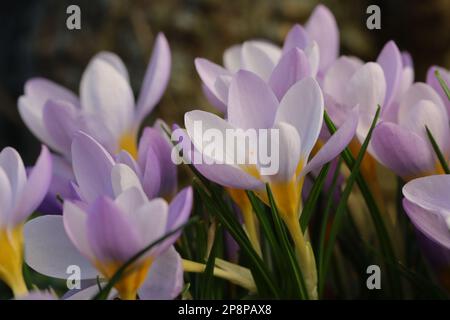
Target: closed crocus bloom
x=105, y=108
x=427, y=204
x=113, y=220
x=297, y=119
x=19, y=197
x=307, y=51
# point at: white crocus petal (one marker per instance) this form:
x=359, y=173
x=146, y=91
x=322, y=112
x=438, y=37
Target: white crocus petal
x=338, y=75
x=11, y=163
x=106, y=93
x=123, y=178
x=5, y=199
x=115, y=61
x=288, y=150
x=259, y=57
x=126, y=158
x=207, y=132
x=49, y=251
x=209, y=72
x=165, y=278
x=430, y=193
x=426, y=113
x=419, y=91
x=312, y=51
x=131, y=199
x=150, y=221
x=74, y=219
x=366, y=89
x=232, y=58
x=303, y=107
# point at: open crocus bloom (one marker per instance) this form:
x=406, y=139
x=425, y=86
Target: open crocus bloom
x=19, y=197
x=105, y=109
x=306, y=52
x=113, y=221
x=297, y=119
x=427, y=204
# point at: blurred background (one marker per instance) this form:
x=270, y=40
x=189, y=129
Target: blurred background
x=35, y=42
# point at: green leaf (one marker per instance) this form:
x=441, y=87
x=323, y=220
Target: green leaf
x=324, y=264
x=438, y=151
x=287, y=247
x=385, y=242
x=313, y=196
x=443, y=84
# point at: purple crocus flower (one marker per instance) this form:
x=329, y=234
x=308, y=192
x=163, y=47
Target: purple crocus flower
x=105, y=109
x=298, y=118
x=19, y=197
x=427, y=204
x=307, y=51
x=113, y=220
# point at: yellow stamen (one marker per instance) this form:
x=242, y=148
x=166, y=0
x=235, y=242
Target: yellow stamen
x=11, y=259
x=240, y=198
x=128, y=143
x=132, y=279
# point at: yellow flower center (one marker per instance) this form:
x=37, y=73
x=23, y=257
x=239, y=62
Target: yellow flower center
x=11, y=259
x=131, y=279
x=128, y=143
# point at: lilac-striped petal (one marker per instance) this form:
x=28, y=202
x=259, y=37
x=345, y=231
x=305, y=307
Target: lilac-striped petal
x=60, y=120
x=154, y=146
x=302, y=107
x=293, y=66
x=209, y=72
x=153, y=176
x=112, y=237
x=92, y=166
x=211, y=97
x=251, y=102
x=430, y=223
x=49, y=251
x=156, y=77
x=31, y=104
x=390, y=61
x=335, y=144
x=165, y=278
x=401, y=150
x=35, y=188
x=297, y=37
x=123, y=178
x=322, y=28
x=126, y=158
x=115, y=61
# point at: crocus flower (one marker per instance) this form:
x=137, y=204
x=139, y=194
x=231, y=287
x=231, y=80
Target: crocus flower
x=112, y=222
x=427, y=204
x=19, y=197
x=298, y=118
x=307, y=51
x=105, y=109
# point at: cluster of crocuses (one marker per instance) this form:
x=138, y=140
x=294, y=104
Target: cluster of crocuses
x=107, y=194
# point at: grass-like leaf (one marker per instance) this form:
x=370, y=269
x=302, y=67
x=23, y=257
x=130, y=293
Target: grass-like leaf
x=324, y=264
x=438, y=151
x=443, y=84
